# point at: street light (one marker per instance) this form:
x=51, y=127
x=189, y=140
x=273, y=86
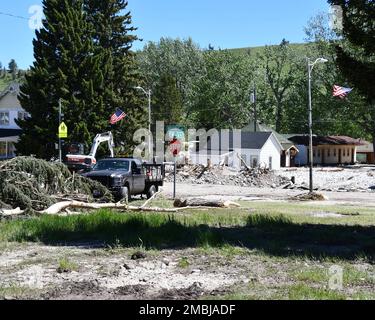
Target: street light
x=310, y=67
x=148, y=94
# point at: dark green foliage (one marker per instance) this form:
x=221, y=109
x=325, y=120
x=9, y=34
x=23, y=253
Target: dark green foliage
x=113, y=37
x=167, y=104
x=90, y=69
x=35, y=184
x=355, y=55
x=356, y=61
x=221, y=98
x=13, y=69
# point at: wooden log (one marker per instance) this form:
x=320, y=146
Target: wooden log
x=198, y=202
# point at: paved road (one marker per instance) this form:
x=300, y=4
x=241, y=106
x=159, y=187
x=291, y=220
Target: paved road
x=364, y=199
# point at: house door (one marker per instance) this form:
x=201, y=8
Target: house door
x=340, y=156
x=270, y=163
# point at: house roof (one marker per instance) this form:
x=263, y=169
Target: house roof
x=249, y=140
x=14, y=87
x=7, y=133
x=325, y=140
x=260, y=127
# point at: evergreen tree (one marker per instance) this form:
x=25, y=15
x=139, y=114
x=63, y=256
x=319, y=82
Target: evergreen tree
x=13, y=69
x=113, y=36
x=167, y=104
x=67, y=68
x=355, y=57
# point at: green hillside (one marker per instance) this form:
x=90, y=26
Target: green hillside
x=7, y=80
x=300, y=48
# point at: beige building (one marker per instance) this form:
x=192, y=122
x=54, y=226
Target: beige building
x=365, y=152
x=330, y=150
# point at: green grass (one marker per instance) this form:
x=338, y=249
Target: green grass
x=16, y=292
x=306, y=292
x=269, y=230
x=65, y=265
x=183, y=263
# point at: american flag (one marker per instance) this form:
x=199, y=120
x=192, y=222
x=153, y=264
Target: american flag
x=118, y=116
x=341, y=92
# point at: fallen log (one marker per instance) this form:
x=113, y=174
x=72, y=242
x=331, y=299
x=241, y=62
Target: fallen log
x=197, y=202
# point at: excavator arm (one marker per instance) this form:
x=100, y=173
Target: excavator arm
x=100, y=138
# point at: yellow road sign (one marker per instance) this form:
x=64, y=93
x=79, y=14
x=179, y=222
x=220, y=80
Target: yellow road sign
x=63, y=131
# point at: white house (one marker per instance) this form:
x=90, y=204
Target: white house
x=10, y=110
x=256, y=149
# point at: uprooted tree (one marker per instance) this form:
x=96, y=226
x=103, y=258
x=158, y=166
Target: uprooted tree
x=34, y=185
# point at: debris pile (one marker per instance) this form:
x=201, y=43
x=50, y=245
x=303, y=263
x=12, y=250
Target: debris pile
x=33, y=185
x=314, y=196
x=221, y=175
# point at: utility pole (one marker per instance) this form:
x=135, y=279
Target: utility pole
x=149, y=125
x=311, y=148
x=148, y=93
x=254, y=101
x=60, y=117
x=310, y=67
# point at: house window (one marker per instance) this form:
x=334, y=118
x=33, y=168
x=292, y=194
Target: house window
x=318, y=153
x=254, y=161
x=329, y=152
x=22, y=115
x=334, y=152
x=4, y=118
x=270, y=163
x=7, y=149
x=348, y=152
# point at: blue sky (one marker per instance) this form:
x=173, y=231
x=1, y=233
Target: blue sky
x=225, y=24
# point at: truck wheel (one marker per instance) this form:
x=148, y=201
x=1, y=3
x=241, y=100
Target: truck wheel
x=151, y=192
x=124, y=194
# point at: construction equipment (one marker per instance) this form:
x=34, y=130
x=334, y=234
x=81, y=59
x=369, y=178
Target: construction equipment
x=78, y=162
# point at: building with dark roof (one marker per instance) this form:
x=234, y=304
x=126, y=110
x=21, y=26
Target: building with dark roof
x=328, y=150
x=237, y=149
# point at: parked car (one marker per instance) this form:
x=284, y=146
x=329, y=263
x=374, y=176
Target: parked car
x=126, y=177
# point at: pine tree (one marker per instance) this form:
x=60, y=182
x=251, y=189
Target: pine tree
x=67, y=68
x=113, y=35
x=355, y=58
x=13, y=69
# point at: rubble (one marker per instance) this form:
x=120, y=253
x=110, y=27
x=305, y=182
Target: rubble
x=331, y=179
x=221, y=175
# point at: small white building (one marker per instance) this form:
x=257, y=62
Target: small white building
x=256, y=149
x=10, y=110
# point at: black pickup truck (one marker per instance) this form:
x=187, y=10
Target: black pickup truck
x=126, y=177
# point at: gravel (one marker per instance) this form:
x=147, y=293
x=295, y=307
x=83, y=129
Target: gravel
x=225, y=176
x=348, y=179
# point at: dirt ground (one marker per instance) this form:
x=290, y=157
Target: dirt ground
x=31, y=270
x=235, y=193
x=111, y=274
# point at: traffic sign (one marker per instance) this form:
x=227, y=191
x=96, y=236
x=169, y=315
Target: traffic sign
x=63, y=131
x=175, y=147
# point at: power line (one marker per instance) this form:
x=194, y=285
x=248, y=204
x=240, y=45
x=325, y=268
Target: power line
x=13, y=16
